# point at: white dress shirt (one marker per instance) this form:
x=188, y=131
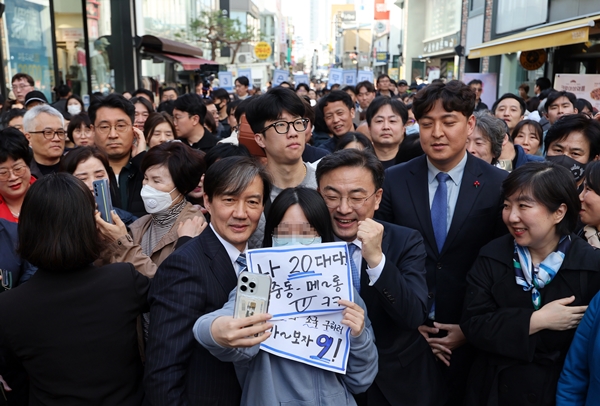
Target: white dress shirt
x=233, y=252
x=374, y=273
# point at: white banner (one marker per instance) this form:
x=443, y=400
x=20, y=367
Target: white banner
x=226, y=81
x=279, y=76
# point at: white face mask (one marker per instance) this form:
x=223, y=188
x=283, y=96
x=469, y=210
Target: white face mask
x=74, y=109
x=413, y=129
x=155, y=200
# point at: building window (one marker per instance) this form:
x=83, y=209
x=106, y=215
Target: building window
x=476, y=7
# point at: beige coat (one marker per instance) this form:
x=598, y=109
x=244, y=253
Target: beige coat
x=128, y=249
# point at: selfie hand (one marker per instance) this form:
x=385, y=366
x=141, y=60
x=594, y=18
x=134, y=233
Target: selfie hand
x=110, y=232
x=233, y=333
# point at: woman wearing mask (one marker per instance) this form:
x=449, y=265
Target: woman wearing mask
x=79, y=131
x=75, y=105
x=297, y=216
x=528, y=290
x=171, y=170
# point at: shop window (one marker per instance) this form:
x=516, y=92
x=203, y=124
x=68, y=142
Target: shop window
x=71, y=54
x=99, y=35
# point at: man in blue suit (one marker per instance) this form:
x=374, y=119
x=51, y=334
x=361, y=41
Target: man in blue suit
x=454, y=200
x=197, y=279
x=388, y=265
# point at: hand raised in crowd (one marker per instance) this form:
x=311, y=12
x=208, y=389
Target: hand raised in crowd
x=139, y=142
x=110, y=232
x=192, y=227
x=370, y=234
x=442, y=346
x=557, y=315
x=233, y=333
x=354, y=317
x=5, y=385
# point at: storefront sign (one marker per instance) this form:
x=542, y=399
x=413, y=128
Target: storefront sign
x=441, y=45
x=348, y=16
x=382, y=12
x=381, y=57
x=533, y=60
x=262, y=50
x=583, y=86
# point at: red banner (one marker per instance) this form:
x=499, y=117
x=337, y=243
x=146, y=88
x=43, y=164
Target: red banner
x=381, y=10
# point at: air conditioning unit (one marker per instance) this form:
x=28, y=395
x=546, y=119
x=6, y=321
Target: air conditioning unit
x=244, y=57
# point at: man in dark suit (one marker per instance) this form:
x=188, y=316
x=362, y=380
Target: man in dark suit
x=454, y=200
x=197, y=279
x=389, y=262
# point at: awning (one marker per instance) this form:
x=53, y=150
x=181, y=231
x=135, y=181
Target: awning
x=572, y=32
x=164, y=45
x=190, y=62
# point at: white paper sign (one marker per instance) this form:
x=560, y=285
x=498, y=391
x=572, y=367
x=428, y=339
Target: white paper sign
x=226, y=81
x=319, y=340
x=301, y=79
x=349, y=78
x=583, y=86
x=248, y=73
x=335, y=77
x=305, y=279
x=364, y=75
x=279, y=76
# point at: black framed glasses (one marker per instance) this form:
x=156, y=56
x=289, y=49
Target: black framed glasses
x=49, y=133
x=282, y=127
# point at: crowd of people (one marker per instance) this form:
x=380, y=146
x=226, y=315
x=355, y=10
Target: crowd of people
x=457, y=216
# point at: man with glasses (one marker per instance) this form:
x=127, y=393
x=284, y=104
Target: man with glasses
x=277, y=120
x=112, y=121
x=189, y=113
x=22, y=84
x=476, y=86
x=388, y=270
x=43, y=126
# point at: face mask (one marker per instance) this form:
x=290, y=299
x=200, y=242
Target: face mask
x=74, y=109
x=295, y=240
x=576, y=168
x=155, y=200
x=413, y=129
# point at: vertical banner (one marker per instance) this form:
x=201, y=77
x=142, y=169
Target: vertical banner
x=364, y=75
x=382, y=12
x=279, y=76
x=489, y=83
x=301, y=79
x=335, y=77
x=226, y=81
x=349, y=77
x=248, y=73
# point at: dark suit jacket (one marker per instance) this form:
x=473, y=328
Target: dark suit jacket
x=397, y=305
x=477, y=220
x=75, y=333
x=194, y=280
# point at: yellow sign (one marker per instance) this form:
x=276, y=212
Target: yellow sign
x=262, y=50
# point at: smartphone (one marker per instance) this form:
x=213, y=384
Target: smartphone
x=102, y=196
x=252, y=294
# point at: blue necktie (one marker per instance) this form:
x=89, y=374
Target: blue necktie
x=241, y=260
x=439, y=210
x=355, y=271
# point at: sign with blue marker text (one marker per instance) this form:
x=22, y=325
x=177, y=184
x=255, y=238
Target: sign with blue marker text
x=279, y=76
x=301, y=79
x=364, y=75
x=349, y=77
x=320, y=340
x=306, y=280
x=248, y=73
x=335, y=77
x=226, y=81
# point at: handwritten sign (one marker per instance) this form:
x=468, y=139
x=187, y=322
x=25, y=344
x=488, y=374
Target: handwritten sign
x=226, y=81
x=305, y=279
x=279, y=76
x=248, y=73
x=364, y=75
x=335, y=77
x=320, y=340
x=349, y=77
x=301, y=79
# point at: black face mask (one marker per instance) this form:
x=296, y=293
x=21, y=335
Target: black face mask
x=576, y=168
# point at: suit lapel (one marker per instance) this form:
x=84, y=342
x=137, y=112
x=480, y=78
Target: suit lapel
x=467, y=195
x=220, y=264
x=418, y=189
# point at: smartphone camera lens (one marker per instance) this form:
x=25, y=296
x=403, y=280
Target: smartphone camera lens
x=243, y=288
x=244, y=279
x=252, y=285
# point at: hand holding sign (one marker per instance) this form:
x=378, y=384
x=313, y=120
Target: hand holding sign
x=354, y=317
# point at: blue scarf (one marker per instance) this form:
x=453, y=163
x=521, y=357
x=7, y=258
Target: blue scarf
x=535, y=278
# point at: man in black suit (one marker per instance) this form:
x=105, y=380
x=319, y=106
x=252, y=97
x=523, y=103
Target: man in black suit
x=197, y=279
x=454, y=200
x=389, y=262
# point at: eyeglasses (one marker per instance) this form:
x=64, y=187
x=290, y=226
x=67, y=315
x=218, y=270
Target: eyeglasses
x=104, y=129
x=354, y=202
x=282, y=127
x=16, y=170
x=49, y=133
x=178, y=118
x=20, y=87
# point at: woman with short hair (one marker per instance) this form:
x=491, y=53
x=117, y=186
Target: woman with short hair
x=79, y=131
x=15, y=175
x=159, y=128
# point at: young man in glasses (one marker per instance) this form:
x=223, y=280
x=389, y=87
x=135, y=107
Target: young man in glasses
x=43, y=126
x=279, y=126
x=22, y=84
x=112, y=120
